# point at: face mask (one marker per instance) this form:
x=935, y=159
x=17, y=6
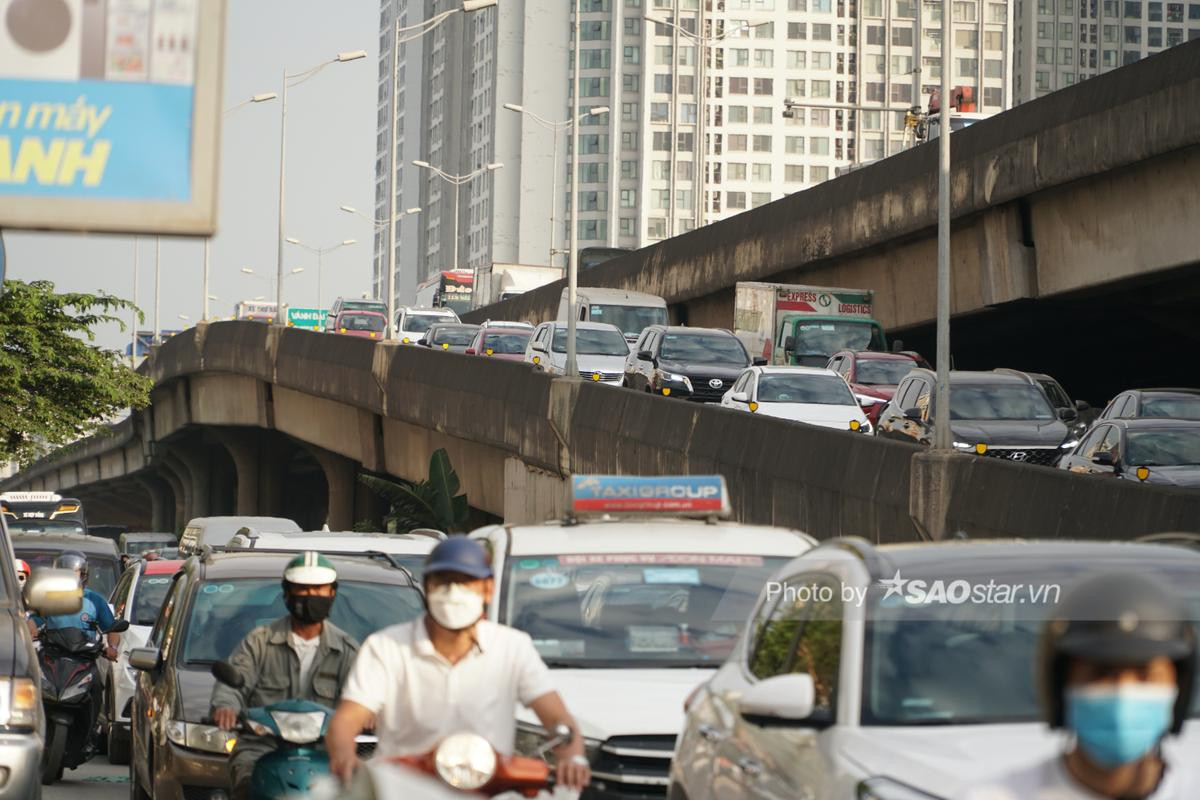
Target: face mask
x=455, y=606
x=1117, y=725
x=309, y=609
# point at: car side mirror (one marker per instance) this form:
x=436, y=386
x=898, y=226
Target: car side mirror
x=227, y=674
x=146, y=659
x=1068, y=414
x=119, y=626
x=758, y=362
x=1104, y=459
x=780, y=700
x=789, y=344
x=1082, y=405
x=913, y=414
x=740, y=397
x=645, y=355
x=51, y=592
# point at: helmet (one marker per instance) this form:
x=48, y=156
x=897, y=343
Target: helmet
x=309, y=569
x=459, y=554
x=73, y=560
x=1117, y=619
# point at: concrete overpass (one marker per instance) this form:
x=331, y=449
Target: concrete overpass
x=1074, y=245
x=252, y=419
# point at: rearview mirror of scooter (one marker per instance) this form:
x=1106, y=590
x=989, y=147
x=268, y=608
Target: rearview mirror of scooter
x=227, y=674
x=562, y=735
x=119, y=626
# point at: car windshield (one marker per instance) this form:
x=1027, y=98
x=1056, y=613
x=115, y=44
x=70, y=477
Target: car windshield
x=364, y=305
x=630, y=320
x=225, y=611
x=1163, y=448
x=925, y=661
x=102, y=570
x=506, y=343
x=419, y=323
x=136, y=546
x=881, y=371
x=455, y=337
x=827, y=390
x=826, y=337
x=592, y=342
x=999, y=402
x=148, y=599
x=1172, y=406
x=704, y=348
x=45, y=526
x=634, y=610
x=362, y=322
x=1058, y=396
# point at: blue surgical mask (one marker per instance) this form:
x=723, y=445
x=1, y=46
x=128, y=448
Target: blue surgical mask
x=1117, y=724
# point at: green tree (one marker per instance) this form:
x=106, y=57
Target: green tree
x=431, y=503
x=56, y=385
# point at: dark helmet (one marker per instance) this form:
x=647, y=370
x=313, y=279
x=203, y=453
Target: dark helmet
x=1117, y=619
x=459, y=554
x=73, y=560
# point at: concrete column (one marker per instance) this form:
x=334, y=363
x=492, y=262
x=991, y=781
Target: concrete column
x=179, y=479
x=340, y=478
x=931, y=485
x=243, y=446
x=198, y=467
x=162, y=502
x=368, y=505
x=275, y=453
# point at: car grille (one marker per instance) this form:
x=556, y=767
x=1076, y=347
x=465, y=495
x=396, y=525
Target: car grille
x=605, y=377
x=365, y=745
x=631, y=767
x=704, y=393
x=1042, y=456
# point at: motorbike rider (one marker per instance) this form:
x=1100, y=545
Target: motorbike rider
x=450, y=670
x=301, y=656
x=1117, y=669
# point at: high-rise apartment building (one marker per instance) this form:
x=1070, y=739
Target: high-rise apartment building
x=696, y=130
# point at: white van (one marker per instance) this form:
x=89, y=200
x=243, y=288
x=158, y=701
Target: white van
x=413, y=321
x=632, y=312
x=217, y=531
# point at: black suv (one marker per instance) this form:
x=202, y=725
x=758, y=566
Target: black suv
x=993, y=414
x=1162, y=403
x=1162, y=451
x=697, y=364
x=213, y=602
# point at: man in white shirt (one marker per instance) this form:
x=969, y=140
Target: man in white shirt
x=1118, y=665
x=447, y=672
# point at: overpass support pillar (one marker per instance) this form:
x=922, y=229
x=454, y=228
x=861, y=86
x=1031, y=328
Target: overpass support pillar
x=197, y=466
x=162, y=503
x=931, y=487
x=243, y=447
x=340, y=477
x=176, y=474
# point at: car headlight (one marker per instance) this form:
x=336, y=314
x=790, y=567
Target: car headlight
x=1068, y=445
x=299, y=727
x=675, y=378
x=963, y=446
x=18, y=702
x=81, y=688
x=465, y=761
x=888, y=789
x=865, y=400
x=207, y=738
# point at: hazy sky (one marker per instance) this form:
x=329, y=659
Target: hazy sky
x=331, y=156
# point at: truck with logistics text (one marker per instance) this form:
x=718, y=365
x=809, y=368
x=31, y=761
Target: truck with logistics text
x=501, y=281
x=804, y=325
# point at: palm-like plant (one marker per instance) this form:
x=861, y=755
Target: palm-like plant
x=431, y=503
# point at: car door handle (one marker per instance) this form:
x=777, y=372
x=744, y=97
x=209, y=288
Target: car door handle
x=750, y=767
x=711, y=734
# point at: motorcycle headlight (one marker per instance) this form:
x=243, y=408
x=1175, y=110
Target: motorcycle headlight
x=206, y=738
x=465, y=761
x=18, y=702
x=81, y=688
x=888, y=789
x=299, y=727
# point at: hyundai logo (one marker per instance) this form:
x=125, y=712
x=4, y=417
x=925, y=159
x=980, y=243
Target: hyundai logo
x=715, y=383
x=1019, y=455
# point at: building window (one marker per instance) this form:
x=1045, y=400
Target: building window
x=595, y=58
x=633, y=54
x=660, y=112
x=629, y=112
x=629, y=140
x=629, y=198
x=822, y=61
x=818, y=174
x=993, y=96
x=931, y=68
x=762, y=144
x=661, y=141
x=1133, y=35
x=871, y=120
x=902, y=65
x=966, y=39
x=739, y=85
x=628, y=226
x=993, y=68
x=593, y=201
x=764, y=86
x=1045, y=55
x=875, y=34
x=874, y=63
x=818, y=117
x=1110, y=59
x=739, y=57
x=629, y=170
x=904, y=9
x=764, y=58
x=1111, y=34
x=1065, y=55
x=660, y=170
x=660, y=199
x=656, y=227
x=738, y=114
x=737, y=142
x=793, y=173
x=759, y=199
x=997, y=12
x=796, y=30
x=1174, y=36
x=736, y=171
x=1066, y=32
x=633, y=26
x=793, y=145
x=765, y=31
x=594, y=30
x=993, y=40
x=593, y=173
x=872, y=8
x=965, y=11
x=875, y=92
x=1133, y=9
x=1154, y=37
x=1042, y=79
x=902, y=37
x=819, y=88
x=902, y=93
x=818, y=145
x=684, y=198
x=662, y=55
x=687, y=113
x=662, y=84
x=762, y=115
x=1155, y=12
x=968, y=67
x=629, y=83
x=735, y=200
x=683, y=170
x=797, y=59
x=593, y=229
x=685, y=142
x=822, y=32
x=1045, y=30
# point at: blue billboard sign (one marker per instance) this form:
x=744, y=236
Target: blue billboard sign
x=704, y=495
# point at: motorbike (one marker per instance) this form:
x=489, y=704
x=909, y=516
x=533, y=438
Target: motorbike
x=70, y=692
x=299, y=764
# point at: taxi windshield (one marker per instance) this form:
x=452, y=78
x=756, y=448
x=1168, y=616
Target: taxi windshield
x=634, y=610
x=829, y=390
x=593, y=342
x=455, y=337
x=506, y=343
x=419, y=323
x=363, y=322
x=148, y=599
x=925, y=662
x=225, y=611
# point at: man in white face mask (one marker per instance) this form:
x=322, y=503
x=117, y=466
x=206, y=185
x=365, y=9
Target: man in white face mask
x=447, y=672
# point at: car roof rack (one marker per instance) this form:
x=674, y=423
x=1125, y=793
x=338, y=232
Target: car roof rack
x=390, y=559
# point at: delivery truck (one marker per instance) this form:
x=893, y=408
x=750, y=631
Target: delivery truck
x=501, y=281
x=804, y=325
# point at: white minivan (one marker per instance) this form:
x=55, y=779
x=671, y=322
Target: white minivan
x=413, y=321
x=600, y=350
x=631, y=312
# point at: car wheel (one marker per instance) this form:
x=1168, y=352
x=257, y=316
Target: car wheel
x=118, y=745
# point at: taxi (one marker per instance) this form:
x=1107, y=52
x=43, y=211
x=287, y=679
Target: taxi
x=632, y=600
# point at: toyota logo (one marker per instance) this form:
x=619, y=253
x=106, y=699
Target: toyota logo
x=715, y=383
x=1019, y=455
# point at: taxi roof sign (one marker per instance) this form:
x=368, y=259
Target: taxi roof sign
x=30, y=497
x=678, y=495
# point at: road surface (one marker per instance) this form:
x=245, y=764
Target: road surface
x=95, y=780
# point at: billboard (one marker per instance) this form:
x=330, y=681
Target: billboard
x=110, y=114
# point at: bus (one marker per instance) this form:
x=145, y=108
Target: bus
x=447, y=289
x=256, y=310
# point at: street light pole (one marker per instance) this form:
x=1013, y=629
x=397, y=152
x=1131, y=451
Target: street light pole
x=157, y=282
x=134, y=314
x=572, y=367
x=261, y=97
x=207, y=250
x=320, y=253
x=457, y=181
x=941, y=416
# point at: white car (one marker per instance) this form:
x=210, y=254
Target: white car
x=600, y=350
x=409, y=549
x=413, y=321
x=802, y=394
x=895, y=672
x=137, y=597
x=631, y=613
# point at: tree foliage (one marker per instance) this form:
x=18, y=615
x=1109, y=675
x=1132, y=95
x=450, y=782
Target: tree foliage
x=431, y=503
x=56, y=385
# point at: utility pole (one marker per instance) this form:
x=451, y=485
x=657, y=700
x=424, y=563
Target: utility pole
x=941, y=421
x=133, y=317
x=572, y=367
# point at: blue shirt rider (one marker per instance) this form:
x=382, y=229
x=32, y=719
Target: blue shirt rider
x=93, y=615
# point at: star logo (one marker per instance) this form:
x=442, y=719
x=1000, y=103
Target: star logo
x=894, y=585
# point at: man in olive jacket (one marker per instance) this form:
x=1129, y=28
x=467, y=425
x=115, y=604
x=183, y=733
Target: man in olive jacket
x=301, y=656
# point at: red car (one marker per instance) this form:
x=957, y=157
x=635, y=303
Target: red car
x=874, y=376
x=364, y=324
x=503, y=343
